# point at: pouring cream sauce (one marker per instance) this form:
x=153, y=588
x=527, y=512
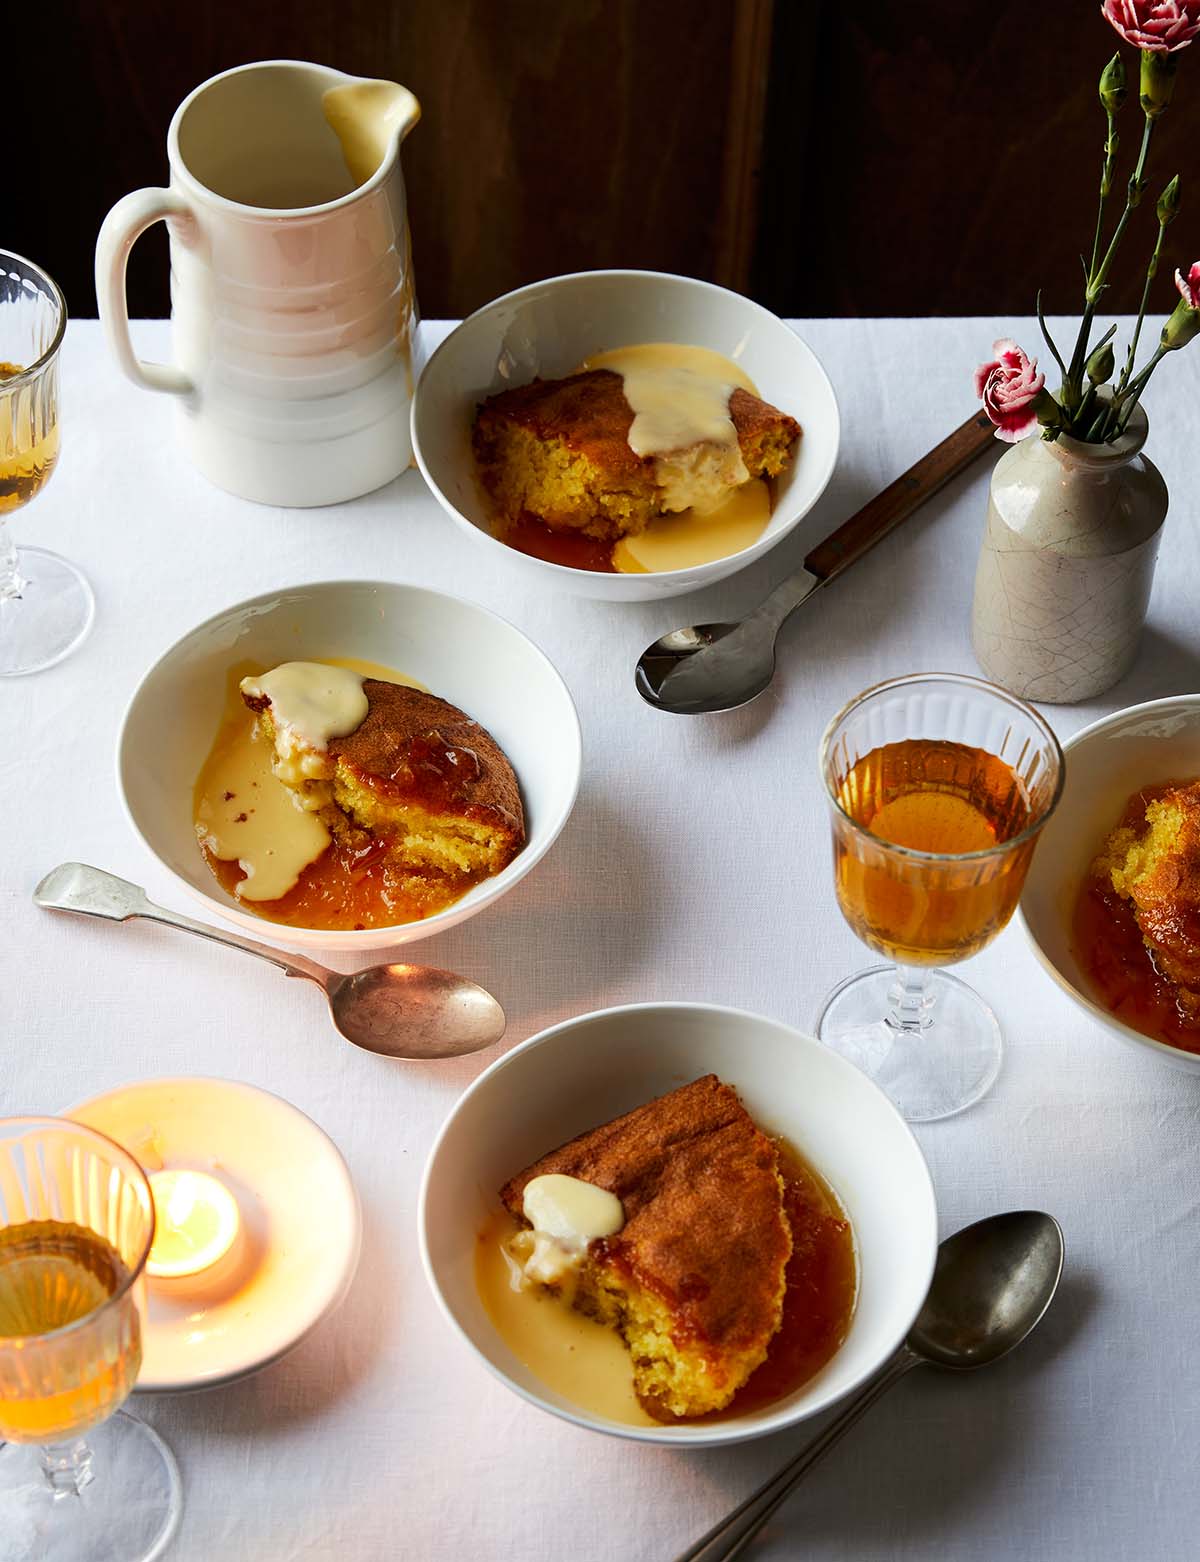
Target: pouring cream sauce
x=580, y=1360
x=243, y=812
x=680, y=401
x=311, y=702
x=564, y=1215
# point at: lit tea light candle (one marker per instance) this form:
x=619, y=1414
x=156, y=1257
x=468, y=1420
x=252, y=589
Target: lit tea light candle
x=196, y=1223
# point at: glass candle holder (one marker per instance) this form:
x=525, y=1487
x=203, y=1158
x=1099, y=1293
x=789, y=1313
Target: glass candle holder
x=78, y=1477
x=46, y=604
x=939, y=786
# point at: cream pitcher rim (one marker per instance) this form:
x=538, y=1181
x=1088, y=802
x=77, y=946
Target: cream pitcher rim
x=269, y=214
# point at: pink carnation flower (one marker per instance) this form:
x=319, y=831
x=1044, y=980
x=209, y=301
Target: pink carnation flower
x=1189, y=286
x=1009, y=387
x=1161, y=26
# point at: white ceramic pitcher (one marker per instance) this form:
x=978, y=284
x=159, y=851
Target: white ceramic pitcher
x=292, y=301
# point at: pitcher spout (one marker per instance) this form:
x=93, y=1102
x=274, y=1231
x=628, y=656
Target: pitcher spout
x=370, y=119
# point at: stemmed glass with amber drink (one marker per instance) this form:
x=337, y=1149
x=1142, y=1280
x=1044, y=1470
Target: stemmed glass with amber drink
x=939, y=786
x=46, y=605
x=79, y=1479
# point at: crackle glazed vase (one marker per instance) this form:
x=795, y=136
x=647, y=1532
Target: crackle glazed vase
x=1067, y=564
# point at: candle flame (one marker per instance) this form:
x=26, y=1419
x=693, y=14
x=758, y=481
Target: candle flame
x=181, y=1204
x=198, y=1222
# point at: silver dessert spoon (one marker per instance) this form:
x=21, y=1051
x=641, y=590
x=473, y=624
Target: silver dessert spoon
x=716, y=667
x=399, y=1011
x=992, y=1283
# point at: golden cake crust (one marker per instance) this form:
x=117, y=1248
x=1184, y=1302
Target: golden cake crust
x=413, y=747
x=705, y=1228
x=589, y=412
x=559, y=449
x=421, y=777
x=1157, y=866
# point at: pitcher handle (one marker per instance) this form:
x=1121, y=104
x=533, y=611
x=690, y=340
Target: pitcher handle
x=121, y=229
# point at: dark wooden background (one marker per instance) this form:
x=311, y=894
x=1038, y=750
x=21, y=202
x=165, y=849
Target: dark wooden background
x=931, y=157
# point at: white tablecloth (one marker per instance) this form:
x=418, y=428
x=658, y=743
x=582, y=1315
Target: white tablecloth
x=381, y=1437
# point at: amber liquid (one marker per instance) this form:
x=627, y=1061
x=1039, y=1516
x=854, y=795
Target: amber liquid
x=26, y=461
x=939, y=797
x=53, y=1274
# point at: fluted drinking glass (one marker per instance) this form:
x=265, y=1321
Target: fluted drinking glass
x=79, y=1479
x=939, y=786
x=46, y=604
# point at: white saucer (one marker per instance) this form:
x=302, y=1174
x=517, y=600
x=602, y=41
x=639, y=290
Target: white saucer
x=300, y=1218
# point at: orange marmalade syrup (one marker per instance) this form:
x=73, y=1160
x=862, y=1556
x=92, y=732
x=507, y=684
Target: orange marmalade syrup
x=1107, y=942
x=570, y=548
x=345, y=891
x=821, y=1281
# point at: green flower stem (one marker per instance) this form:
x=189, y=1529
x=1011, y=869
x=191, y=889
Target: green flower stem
x=1110, y=157
x=1166, y=210
x=1072, y=386
x=1123, y=405
x=1083, y=417
x=1092, y=436
x=1072, y=390
x=1137, y=184
x=1151, y=272
x=1050, y=343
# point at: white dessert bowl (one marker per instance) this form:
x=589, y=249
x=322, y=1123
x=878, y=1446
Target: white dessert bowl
x=1106, y=763
x=458, y=650
x=588, y=1070
x=547, y=329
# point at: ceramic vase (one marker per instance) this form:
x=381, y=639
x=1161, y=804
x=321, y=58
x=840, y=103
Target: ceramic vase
x=1067, y=563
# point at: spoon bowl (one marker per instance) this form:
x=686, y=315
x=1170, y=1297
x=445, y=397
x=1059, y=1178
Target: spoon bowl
x=438, y=1014
x=706, y=668
x=992, y=1283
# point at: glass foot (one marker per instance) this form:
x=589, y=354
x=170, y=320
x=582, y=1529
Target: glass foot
x=126, y=1511
x=941, y=1061
x=49, y=619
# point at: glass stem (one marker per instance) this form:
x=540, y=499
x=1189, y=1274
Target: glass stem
x=910, y=1001
x=11, y=583
x=67, y=1467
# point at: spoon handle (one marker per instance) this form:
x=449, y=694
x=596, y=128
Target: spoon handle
x=900, y=499
x=74, y=886
x=729, y=1538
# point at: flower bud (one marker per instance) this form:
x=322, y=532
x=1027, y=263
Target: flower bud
x=1101, y=364
x=1158, y=82
x=1168, y=203
x=1048, y=411
x=1112, y=84
x=1182, y=325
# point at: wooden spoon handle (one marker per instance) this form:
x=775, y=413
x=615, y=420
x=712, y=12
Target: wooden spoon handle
x=900, y=499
